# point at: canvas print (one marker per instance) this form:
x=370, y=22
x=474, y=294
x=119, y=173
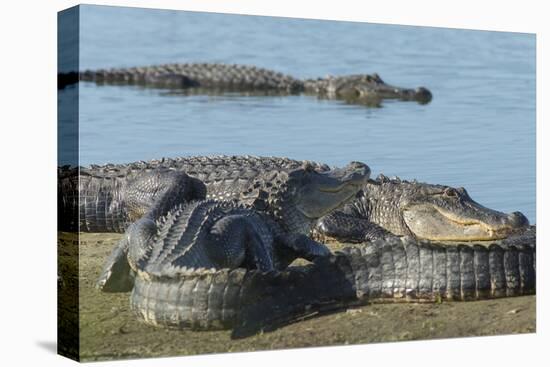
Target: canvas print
x=241, y=183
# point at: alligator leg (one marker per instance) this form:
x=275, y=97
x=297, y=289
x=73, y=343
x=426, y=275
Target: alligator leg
x=153, y=193
x=117, y=276
x=293, y=246
x=235, y=239
x=345, y=227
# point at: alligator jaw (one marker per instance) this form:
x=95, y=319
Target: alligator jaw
x=338, y=198
x=337, y=189
x=329, y=190
x=421, y=95
x=435, y=224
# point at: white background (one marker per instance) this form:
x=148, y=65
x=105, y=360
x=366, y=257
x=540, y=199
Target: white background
x=28, y=182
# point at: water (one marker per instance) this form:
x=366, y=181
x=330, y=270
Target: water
x=478, y=132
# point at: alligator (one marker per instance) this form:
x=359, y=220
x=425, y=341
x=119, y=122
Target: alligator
x=368, y=89
x=98, y=196
x=109, y=198
x=171, y=289
x=394, y=207
x=267, y=229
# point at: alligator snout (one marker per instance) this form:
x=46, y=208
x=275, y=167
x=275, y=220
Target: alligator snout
x=354, y=173
x=423, y=95
x=358, y=172
x=517, y=220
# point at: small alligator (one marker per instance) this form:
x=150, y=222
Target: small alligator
x=395, y=207
x=103, y=197
x=217, y=78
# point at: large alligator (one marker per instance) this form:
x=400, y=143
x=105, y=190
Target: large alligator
x=394, y=207
x=108, y=198
x=215, y=78
x=104, y=199
x=184, y=278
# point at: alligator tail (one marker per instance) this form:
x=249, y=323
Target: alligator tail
x=225, y=299
x=158, y=77
x=408, y=271
x=223, y=76
x=391, y=271
x=89, y=204
x=197, y=300
x=395, y=271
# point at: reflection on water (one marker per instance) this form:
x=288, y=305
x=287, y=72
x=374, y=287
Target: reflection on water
x=478, y=131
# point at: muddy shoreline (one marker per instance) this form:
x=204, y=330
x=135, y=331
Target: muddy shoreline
x=108, y=330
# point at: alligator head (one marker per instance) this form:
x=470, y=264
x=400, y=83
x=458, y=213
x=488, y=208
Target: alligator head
x=299, y=197
x=371, y=88
x=435, y=212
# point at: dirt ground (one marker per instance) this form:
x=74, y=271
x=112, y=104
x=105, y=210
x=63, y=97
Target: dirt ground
x=108, y=330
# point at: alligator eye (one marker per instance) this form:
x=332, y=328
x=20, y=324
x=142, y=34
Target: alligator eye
x=349, y=92
x=450, y=192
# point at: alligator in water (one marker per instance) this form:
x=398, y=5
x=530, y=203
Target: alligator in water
x=103, y=197
x=395, y=207
x=217, y=78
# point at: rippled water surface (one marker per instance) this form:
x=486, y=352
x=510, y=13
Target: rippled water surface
x=478, y=132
